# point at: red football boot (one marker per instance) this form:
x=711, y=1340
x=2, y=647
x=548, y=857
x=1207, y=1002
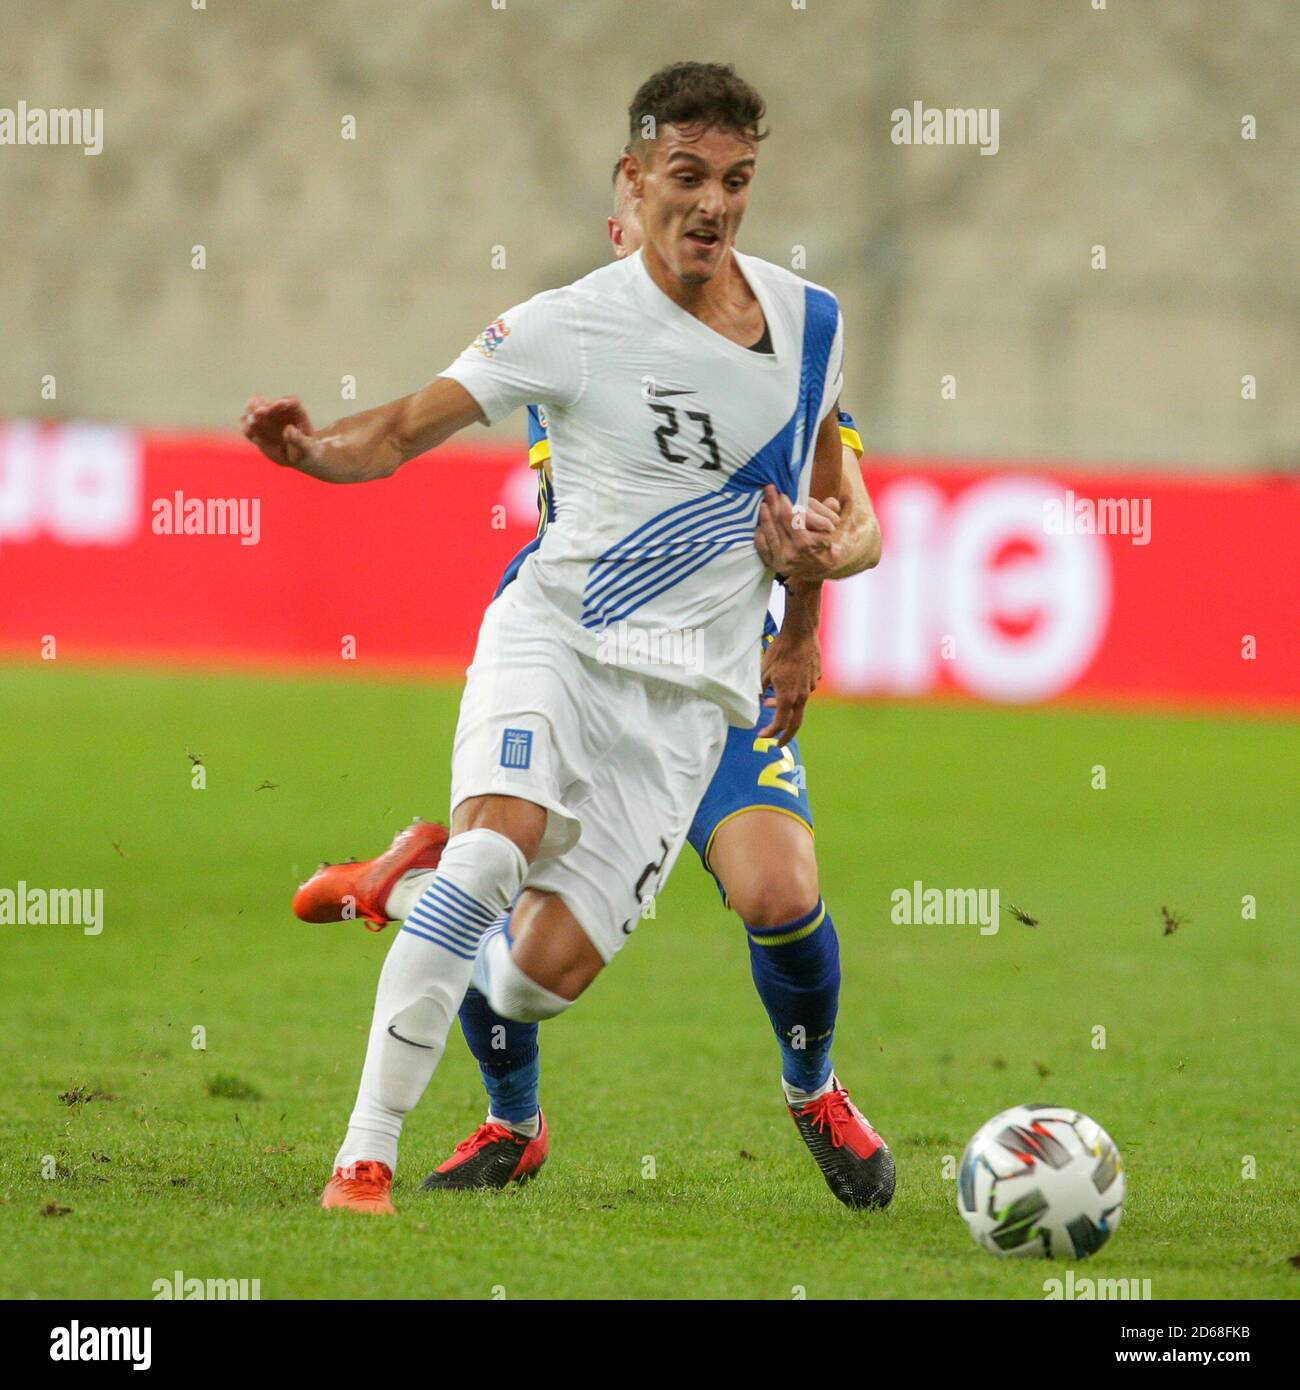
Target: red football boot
x=493, y=1156
x=363, y=1186
x=854, y=1159
x=341, y=892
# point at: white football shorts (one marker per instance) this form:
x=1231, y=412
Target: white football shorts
x=619, y=760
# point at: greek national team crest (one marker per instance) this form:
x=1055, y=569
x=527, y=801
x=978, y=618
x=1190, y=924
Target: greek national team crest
x=517, y=748
x=491, y=337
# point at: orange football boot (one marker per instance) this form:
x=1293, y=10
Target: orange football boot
x=363, y=1186
x=341, y=892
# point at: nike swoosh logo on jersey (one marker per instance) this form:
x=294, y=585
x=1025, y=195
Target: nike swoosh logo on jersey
x=660, y=395
x=393, y=1033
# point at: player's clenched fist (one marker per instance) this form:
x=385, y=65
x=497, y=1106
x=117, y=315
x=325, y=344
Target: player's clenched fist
x=280, y=429
x=801, y=543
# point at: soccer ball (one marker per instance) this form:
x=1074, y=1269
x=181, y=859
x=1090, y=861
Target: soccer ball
x=1041, y=1180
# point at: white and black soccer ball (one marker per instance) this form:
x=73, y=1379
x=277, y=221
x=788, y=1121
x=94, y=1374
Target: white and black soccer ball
x=1041, y=1180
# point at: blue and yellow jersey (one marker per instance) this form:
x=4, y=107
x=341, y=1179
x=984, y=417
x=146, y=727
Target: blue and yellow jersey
x=539, y=453
x=849, y=435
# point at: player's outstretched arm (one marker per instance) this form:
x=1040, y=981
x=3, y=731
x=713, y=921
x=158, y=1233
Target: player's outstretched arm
x=359, y=448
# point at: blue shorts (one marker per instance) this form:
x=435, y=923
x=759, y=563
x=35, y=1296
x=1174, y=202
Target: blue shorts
x=754, y=773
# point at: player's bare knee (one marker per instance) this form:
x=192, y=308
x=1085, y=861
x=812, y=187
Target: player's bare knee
x=515, y=992
x=550, y=952
x=782, y=893
x=564, y=969
x=574, y=977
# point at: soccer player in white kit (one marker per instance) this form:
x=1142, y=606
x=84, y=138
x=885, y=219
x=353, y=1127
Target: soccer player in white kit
x=575, y=774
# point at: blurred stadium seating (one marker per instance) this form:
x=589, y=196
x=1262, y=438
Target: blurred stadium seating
x=352, y=269
x=480, y=128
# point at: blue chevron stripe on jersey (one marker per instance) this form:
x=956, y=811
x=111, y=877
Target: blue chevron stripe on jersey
x=673, y=534
x=682, y=539
x=775, y=462
x=648, y=581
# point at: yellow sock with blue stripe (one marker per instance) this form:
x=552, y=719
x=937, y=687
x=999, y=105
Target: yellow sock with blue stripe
x=796, y=969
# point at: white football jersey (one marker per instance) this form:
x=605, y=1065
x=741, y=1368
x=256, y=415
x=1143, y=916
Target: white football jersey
x=663, y=434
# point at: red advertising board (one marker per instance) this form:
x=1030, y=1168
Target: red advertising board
x=995, y=583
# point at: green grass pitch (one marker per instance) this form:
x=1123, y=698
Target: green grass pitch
x=210, y=1161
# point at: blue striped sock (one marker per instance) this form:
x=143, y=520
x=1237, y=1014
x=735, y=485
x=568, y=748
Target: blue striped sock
x=796, y=969
x=450, y=918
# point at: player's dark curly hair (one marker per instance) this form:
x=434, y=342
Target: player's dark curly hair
x=709, y=95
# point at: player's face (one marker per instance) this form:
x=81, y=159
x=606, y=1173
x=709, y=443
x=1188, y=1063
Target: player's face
x=692, y=193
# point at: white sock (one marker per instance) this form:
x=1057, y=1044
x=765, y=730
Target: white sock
x=406, y=892
x=529, y=1129
x=510, y=992
x=794, y=1096
x=423, y=983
